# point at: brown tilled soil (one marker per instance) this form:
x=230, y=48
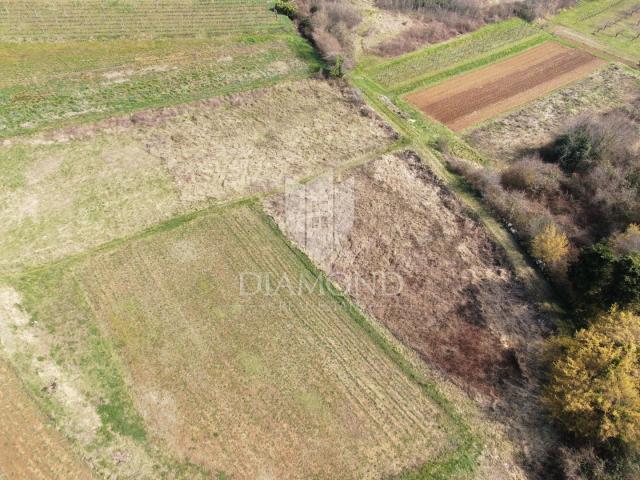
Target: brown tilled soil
x=468, y=99
x=416, y=262
x=507, y=138
x=29, y=448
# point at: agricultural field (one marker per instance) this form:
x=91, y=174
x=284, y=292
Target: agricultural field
x=468, y=99
x=434, y=63
x=218, y=260
x=405, y=234
x=612, y=25
x=506, y=138
x=178, y=339
x=72, y=189
x=29, y=446
x=49, y=86
x=63, y=20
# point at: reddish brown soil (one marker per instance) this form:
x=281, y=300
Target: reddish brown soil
x=468, y=99
x=29, y=447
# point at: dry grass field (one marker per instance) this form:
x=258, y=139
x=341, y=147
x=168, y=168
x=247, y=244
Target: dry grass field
x=29, y=446
x=506, y=138
x=272, y=378
x=467, y=99
x=439, y=284
x=65, y=191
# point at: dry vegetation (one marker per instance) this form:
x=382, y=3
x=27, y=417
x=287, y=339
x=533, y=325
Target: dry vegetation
x=534, y=182
x=416, y=262
x=440, y=21
x=76, y=188
x=527, y=129
x=330, y=25
x=242, y=376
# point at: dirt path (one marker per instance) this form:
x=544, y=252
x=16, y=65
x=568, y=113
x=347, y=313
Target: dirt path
x=484, y=93
x=590, y=45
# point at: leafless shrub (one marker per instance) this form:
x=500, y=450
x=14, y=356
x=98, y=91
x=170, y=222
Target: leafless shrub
x=608, y=185
x=329, y=24
x=442, y=20
x=414, y=37
x=533, y=176
x=627, y=242
x=526, y=217
x=582, y=464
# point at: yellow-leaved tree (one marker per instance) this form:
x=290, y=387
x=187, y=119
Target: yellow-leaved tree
x=594, y=388
x=550, y=246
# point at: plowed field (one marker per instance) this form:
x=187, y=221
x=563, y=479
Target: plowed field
x=484, y=93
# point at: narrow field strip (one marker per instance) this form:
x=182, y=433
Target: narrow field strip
x=469, y=51
x=274, y=382
x=70, y=87
x=476, y=96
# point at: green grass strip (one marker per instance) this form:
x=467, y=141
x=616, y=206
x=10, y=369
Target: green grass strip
x=432, y=59
x=431, y=79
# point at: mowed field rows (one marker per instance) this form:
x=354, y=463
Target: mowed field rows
x=44, y=20
x=473, y=97
x=236, y=357
x=30, y=448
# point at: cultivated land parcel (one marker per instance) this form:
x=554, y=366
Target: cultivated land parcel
x=184, y=376
x=252, y=380
x=155, y=322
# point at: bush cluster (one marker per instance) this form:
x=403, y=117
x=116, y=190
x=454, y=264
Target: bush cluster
x=576, y=206
x=594, y=390
x=601, y=279
x=440, y=20
x=329, y=25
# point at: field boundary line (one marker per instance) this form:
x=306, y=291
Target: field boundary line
x=416, y=131
x=464, y=458
x=164, y=226
x=376, y=67
x=501, y=54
